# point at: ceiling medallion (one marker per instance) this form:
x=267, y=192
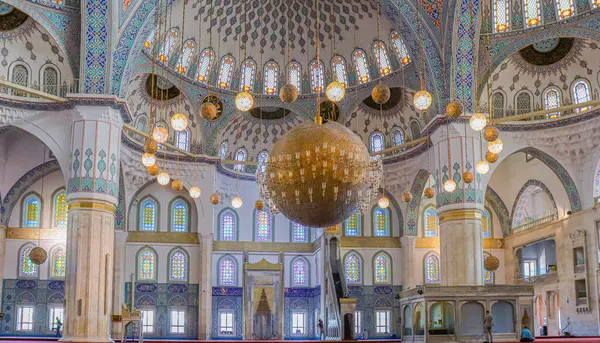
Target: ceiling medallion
x=211, y=108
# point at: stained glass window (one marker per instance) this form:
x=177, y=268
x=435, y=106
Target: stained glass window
x=432, y=269
x=240, y=155
x=263, y=157
x=565, y=8
x=294, y=75
x=247, y=73
x=400, y=48
x=20, y=76
x=397, y=137
x=430, y=224
x=179, y=216
x=338, y=65
x=148, y=216
x=223, y=151
x=352, y=268
x=50, y=83
x=142, y=123
x=271, y=77
x=383, y=61
x=126, y=4
x=352, y=225
x=581, y=94
x=360, y=63
x=533, y=14
x=205, y=65
x=226, y=71
x=59, y=262
x=488, y=276
x=486, y=227
x=300, y=272
x=146, y=264
x=377, y=142
x=316, y=76
x=227, y=271
x=31, y=212
x=382, y=268
x=500, y=15
x=182, y=139
x=26, y=267
x=498, y=105
x=228, y=225
x=168, y=45
x=415, y=129
x=186, y=56
x=597, y=183
x=60, y=210
x=150, y=39
x=523, y=103
x=178, y=266
x=381, y=221
x=299, y=233
x=552, y=100
x=263, y=226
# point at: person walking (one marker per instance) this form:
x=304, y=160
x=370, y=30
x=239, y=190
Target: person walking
x=365, y=334
x=59, y=325
x=321, y=330
x=488, y=323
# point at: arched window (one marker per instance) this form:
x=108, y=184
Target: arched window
x=58, y=263
x=581, y=94
x=186, y=56
x=597, y=184
x=240, y=155
x=227, y=271
x=381, y=222
x=299, y=233
x=263, y=226
x=430, y=223
x=31, y=211
x=397, y=137
x=179, y=216
x=50, y=82
x=352, y=225
x=141, y=124
x=60, y=210
x=338, y=65
x=226, y=71
x=26, y=267
x=523, y=104
x=205, y=65
x=486, y=224
x=500, y=15
x=533, y=15
x=149, y=214
x=377, y=142
x=146, y=264
x=168, y=45
x=228, y=225
x=223, y=151
x=382, y=266
x=432, y=268
x=551, y=101
x=247, y=73
x=316, y=76
x=488, y=277
x=178, y=265
x=299, y=272
x=271, y=77
x=294, y=75
x=20, y=76
x=352, y=267
x=263, y=158
x=182, y=139
x=565, y=8
x=498, y=104
x=400, y=48
x=415, y=130
x=360, y=63
x=150, y=39
x=383, y=61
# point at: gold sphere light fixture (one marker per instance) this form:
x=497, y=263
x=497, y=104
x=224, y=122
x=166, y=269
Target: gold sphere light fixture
x=208, y=111
x=491, y=133
x=195, y=192
x=491, y=157
x=491, y=263
x=38, y=255
x=335, y=91
x=449, y=186
x=215, y=198
x=244, y=101
x=163, y=178
x=467, y=177
x=150, y=145
x=381, y=93
x=482, y=167
x=236, y=202
x=160, y=134
x=153, y=170
x=453, y=109
x=495, y=146
x=429, y=192
x=477, y=121
x=259, y=205
x=422, y=100
x=179, y=122
x=289, y=93
x=407, y=196
x=177, y=185
x=148, y=159
x=383, y=202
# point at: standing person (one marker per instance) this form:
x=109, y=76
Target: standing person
x=526, y=335
x=365, y=334
x=321, y=330
x=59, y=325
x=488, y=323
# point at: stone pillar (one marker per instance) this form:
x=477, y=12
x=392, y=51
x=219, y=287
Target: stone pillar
x=410, y=276
x=119, y=279
x=2, y=252
x=205, y=291
x=93, y=195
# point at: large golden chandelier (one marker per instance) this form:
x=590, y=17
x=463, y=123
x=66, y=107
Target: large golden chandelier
x=319, y=175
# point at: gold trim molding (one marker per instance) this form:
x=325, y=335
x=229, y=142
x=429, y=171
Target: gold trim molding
x=263, y=265
x=460, y=215
x=92, y=205
x=370, y=242
x=29, y=233
x=348, y=301
x=434, y=243
x=265, y=247
x=163, y=237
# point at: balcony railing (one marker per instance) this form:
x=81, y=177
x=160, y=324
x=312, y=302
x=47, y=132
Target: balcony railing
x=543, y=220
x=549, y=277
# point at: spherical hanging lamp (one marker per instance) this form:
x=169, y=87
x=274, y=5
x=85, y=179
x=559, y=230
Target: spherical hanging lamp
x=179, y=122
x=491, y=133
x=150, y=146
x=453, y=109
x=148, y=159
x=38, y=255
x=236, y=202
x=381, y=93
x=163, y=178
x=383, y=202
x=422, y=100
x=491, y=157
x=177, y=185
x=195, y=192
x=482, y=167
x=215, y=198
x=153, y=170
x=288, y=93
x=208, y=111
x=477, y=121
x=407, y=196
x=491, y=263
x=259, y=205
x=467, y=177
x=160, y=134
x=429, y=192
x=335, y=91
x=244, y=101
x=449, y=186
x=495, y=146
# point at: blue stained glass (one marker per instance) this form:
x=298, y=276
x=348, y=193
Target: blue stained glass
x=186, y=56
x=316, y=76
x=300, y=272
x=430, y=224
x=338, y=65
x=240, y=155
x=486, y=227
x=352, y=268
x=228, y=226
x=398, y=137
x=400, y=48
x=552, y=100
x=377, y=142
x=226, y=72
x=247, y=72
x=31, y=217
x=179, y=216
x=178, y=267
x=263, y=226
x=227, y=272
x=148, y=216
x=294, y=75
x=168, y=46
x=581, y=94
x=380, y=52
x=204, y=65
x=353, y=225
x=223, y=151
x=146, y=265
x=26, y=267
x=299, y=233
x=182, y=139
x=271, y=78
x=382, y=269
x=381, y=221
x=432, y=269
x=360, y=63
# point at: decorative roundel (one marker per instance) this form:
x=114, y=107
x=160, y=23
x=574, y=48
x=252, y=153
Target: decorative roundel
x=546, y=45
x=5, y=8
x=215, y=101
x=269, y=112
x=329, y=111
x=395, y=98
x=547, y=52
x=161, y=89
x=10, y=17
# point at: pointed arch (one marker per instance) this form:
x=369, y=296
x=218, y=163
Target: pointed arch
x=381, y=55
x=294, y=75
x=382, y=268
x=518, y=211
x=227, y=273
x=189, y=47
x=182, y=139
x=300, y=272
x=397, y=136
x=223, y=150
x=523, y=102
x=146, y=262
x=500, y=15
x=32, y=210
x=150, y=39
x=353, y=225
x=400, y=47
x=58, y=262
x=240, y=155
x=299, y=233
x=179, y=215
x=431, y=268
x=377, y=142
x=552, y=99
x=317, y=77
x=168, y=45
x=141, y=123
x=205, y=64
x=59, y=209
x=338, y=66
x=380, y=219
x=148, y=214
x=430, y=221
x=487, y=229
x=362, y=67
x=247, y=75
x=271, y=81
x=581, y=93
x=50, y=80
x=178, y=265
x=415, y=130
x=27, y=269
x=263, y=225
x=226, y=71
x=498, y=104
x=353, y=267
x=412, y=214
x=228, y=226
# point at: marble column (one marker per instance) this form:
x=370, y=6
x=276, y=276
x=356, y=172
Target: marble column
x=205, y=291
x=119, y=279
x=410, y=276
x=2, y=252
x=92, y=198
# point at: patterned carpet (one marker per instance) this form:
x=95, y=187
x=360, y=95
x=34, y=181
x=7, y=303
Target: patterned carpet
x=540, y=340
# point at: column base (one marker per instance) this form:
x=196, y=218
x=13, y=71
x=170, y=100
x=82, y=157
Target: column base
x=85, y=339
